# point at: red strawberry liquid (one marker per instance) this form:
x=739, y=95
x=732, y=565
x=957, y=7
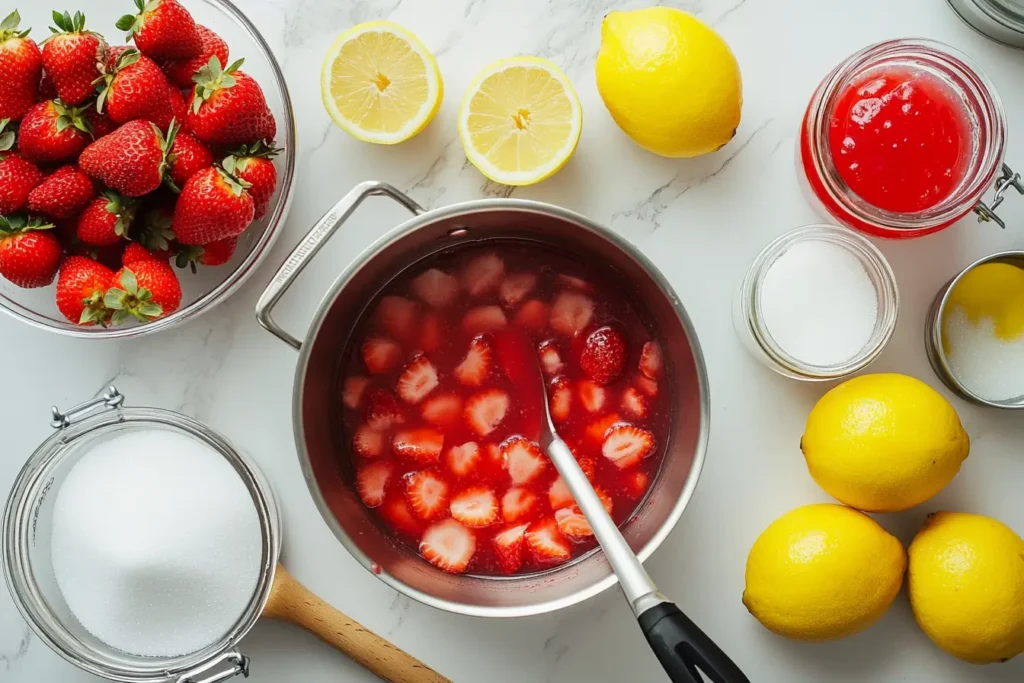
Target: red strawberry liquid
x=434, y=398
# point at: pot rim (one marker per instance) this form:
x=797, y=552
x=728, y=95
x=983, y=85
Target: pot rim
x=465, y=209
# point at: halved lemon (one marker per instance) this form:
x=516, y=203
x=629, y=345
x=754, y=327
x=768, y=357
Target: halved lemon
x=520, y=121
x=380, y=84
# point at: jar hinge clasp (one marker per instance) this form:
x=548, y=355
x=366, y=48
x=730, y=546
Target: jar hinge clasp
x=111, y=398
x=987, y=212
x=239, y=667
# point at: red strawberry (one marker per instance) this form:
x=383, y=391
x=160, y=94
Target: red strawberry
x=516, y=287
x=71, y=56
x=147, y=290
x=135, y=252
x=518, y=505
x=571, y=313
x=426, y=492
x=651, y=361
x=524, y=459
x=432, y=332
x=636, y=483
x=130, y=160
x=136, y=89
x=463, y=460
x=114, y=53
x=52, y=133
x=417, y=380
x=382, y=411
x=397, y=315
x=560, y=399
x=476, y=366
x=546, y=542
x=62, y=194
x=592, y=396
x=372, y=481
x=598, y=428
x=398, y=515
x=476, y=507
x=448, y=545
x=485, y=410
x=484, y=319
x=254, y=164
x=573, y=282
x=483, y=274
x=213, y=254
x=18, y=175
x=444, y=410
x=367, y=443
x=550, y=358
x=352, y=393
x=100, y=124
x=508, y=548
x=187, y=157
x=180, y=71
x=21, y=66
x=105, y=221
x=647, y=386
x=47, y=90
x=436, y=287
x=81, y=286
x=604, y=355
x=228, y=107
x=213, y=206
x=179, y=108
x=533, y=316
x=163, y=28
x=381, y=355
x=29, y=252
x=422, y=446
x=626, y=445
x=634, y=403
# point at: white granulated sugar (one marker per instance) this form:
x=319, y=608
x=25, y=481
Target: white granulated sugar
x=988, y=366
x=156, y=543
x=818, y=303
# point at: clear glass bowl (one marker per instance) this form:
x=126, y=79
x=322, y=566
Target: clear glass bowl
x=210, y=286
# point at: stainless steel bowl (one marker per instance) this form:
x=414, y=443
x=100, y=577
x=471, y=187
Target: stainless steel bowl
x=321, y=450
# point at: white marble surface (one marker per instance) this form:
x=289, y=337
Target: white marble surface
x=701, y=221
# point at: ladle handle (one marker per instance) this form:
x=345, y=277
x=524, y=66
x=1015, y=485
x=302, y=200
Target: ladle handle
x=291, y=601
x=686, y=653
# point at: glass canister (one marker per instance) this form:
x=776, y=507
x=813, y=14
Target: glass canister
x=26, y=546
x=1000, y=20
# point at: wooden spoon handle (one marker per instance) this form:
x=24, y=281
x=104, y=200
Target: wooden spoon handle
x=293, y=602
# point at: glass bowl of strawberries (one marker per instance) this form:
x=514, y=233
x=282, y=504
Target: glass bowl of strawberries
x=147, y=161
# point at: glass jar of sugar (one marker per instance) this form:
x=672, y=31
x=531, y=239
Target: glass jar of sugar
x=140, y=545
x=818, y=303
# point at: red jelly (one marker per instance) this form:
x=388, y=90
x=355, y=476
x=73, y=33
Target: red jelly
x=443, y=417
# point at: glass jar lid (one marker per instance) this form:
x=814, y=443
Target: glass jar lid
x=1000, y=20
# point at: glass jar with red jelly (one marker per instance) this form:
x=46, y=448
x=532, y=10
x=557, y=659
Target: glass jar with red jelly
x=903, y=139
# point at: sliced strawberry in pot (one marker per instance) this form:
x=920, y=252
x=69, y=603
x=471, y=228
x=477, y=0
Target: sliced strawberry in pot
x=508, y=548
x=368, y=443
x=519, y=504
x=559, y=495
x=524, y=459
x=448, y=545
x=352, y=391
x=442, y=410
x=646, y=385
x=634, y=403
x=476, y=507
x=372, y=481
x=572, y=523
x=463, y=460
x=396, y=513
x=533, y=315
x=560, y=399
x=426, y=492
x=484, y=319
x=651, y=360
x=436, y=287
x=476, y=366
x=381, y=355
x=486, y=410
x=423, y=446
x=432, y=332
x=598, y=428
x=516, y=287
x=483, y=274
x=417, y=380
x=546, y=542
x=550, y=358
x=571, y=313
x=397, y=316
x=592, y=396
x=573, y=282
x=604, y=355
x=626, y=444
x=382, y=410
x=636, y=482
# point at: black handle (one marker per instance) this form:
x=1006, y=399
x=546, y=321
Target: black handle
x=686, y=652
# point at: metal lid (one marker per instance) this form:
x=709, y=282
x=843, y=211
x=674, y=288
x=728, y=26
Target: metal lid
x=1000, y=20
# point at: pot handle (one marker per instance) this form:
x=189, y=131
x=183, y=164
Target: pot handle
x=311, y=244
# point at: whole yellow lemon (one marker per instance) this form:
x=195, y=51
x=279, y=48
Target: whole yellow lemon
x=822, y=572
x=883, y=443
x=966, y=584
x=669, y=81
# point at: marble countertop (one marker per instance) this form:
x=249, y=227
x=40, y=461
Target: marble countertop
x=701, y=221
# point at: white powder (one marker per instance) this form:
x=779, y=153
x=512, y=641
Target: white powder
x=818, y=303
x=156, y=543
x=988, y=366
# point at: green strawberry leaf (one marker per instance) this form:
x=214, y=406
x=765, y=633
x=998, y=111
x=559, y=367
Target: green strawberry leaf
x=151, y=310
x=127, y=58
x=10, y=22
x=129, y=282
x=114, y=298
x=234, y=65
x=119, y=317
x=6, y=140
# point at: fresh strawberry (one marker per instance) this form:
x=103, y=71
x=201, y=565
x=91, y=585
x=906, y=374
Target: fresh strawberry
x=519, y=505
x=62, y=194
x=546, y=542
x=432, y=332
x=397, y=315
x=71, y=56
x=484, y=319
x=130, y=160
x=560, y=399
x=353, y=390
x=573, y=282
x=476, y=366
x=163, y=28
x=21, y=66
x=647, y=386
x=436, y=287
x=187, y=157
x=423, y=446
x=180, y=71
x=634, y=403
x=550, y=358
x=397, y=514
x=147, y=290
x=626, y=445
x=179, y=108
x=443, y=410
x=106, y=220
x=463, y=460
x=213, y=206
x=81, y=286
x=372, y=481
x=417, y=380
x=47, y=90
x=448, y=545
x=114, y=53
x=651, y=361
x=213, y=254
x=135, y=252
x=18, y=175
x=426, y=492
x=604, y=355
x=254, y=164
x=136, y=89
x=29, y=252
x=100, y=124
x=382, y=411
x=476, y=507
x=533, y=316
x=483, y=274
x=368, y=443
x=524, y=459
x=636, y=483
x=516, y=287
x=592, y=396
x=381, y=355
x=228, y=107
x=51, y=133
x=508, y=548
x=597, y=429
x=571, y=313
x=485, y=410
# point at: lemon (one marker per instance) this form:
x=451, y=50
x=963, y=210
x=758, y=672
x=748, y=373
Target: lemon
x=380, y=84
x=883, y=443
x=992, y=290
x=966, y=584
x=822, y=572
x=669, y=81
x=520, y=120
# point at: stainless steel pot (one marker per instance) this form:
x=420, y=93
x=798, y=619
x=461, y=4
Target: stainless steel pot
x=322, y=454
